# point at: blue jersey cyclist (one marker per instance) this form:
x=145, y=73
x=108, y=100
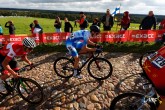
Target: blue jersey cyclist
x=78, y=42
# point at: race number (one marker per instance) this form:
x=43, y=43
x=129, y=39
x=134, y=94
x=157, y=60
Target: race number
x=159, y=62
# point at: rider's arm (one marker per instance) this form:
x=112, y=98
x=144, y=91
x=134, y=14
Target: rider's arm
x=24, y=58
x=6, y=66
x=91, y=43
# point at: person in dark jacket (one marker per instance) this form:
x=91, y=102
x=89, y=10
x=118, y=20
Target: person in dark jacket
x=11, y=27
x=68, y=27
x=96, y=22
x=148, y=22
x=107, y=21
x=125, y=21
x=57, y=24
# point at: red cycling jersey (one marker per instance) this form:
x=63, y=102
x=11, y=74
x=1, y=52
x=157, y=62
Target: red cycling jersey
x=154, y=67
x=13, y=50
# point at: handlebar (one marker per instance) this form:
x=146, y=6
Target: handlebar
x=25, y=68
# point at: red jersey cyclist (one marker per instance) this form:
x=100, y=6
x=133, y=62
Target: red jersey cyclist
x=154, y=67
x=8, y=64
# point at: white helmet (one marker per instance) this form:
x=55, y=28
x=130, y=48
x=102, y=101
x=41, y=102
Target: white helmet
x=29, y=42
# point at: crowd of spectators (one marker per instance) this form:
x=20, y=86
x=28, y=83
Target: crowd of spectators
x=106, y=21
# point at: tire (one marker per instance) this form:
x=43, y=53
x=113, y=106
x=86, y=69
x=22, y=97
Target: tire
x=136, y=101
x=98, y=72
x=143, y=57
x=65, y=68
x=35, y=95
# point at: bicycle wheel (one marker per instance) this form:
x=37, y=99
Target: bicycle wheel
x=144, y=57
x=100, y=68
x=63, y=67
x=30, y=91
x=131, y=101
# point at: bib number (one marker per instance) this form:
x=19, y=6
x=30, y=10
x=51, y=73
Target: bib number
x=159, y=62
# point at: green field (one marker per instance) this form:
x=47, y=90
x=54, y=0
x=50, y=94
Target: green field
x=22, y=25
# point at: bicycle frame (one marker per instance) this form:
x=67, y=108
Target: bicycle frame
x=91, y=57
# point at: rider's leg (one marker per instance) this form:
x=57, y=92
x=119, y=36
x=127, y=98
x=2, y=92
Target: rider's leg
x=86, y=49
x=5, y=75
x=76, y=63
x=74, y=53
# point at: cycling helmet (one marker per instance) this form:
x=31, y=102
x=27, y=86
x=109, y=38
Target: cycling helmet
x=95, y=28
x=29, y=42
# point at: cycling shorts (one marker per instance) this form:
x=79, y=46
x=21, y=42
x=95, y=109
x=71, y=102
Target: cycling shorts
x=13, y=64
x=74, y=47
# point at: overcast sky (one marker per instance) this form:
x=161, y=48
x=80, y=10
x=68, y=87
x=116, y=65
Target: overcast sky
x=133, y=6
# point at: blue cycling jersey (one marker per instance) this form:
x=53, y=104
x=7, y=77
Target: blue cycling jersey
x=77, y=40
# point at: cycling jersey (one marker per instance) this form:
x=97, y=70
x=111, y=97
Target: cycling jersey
x=77, y=40
x=154, y=67
x=12, y=50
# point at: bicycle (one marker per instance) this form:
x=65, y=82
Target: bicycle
x=28, y=89
x=138, y=101
x=101, y=66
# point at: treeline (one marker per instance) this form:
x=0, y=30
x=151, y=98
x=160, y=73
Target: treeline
x=72, y=15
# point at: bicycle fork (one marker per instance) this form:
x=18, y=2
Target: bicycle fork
x=23, y=85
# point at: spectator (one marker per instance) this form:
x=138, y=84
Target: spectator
x=148, y=22
x=11, y=27
x=75, y=23
x=162, y=24
x=96, y=22
x=83, y=22
x=1, y=30
x=125, y=21
x=37, y=27
x=107, y=21
x=57, y=24
x=68, y=27
x=31, y=27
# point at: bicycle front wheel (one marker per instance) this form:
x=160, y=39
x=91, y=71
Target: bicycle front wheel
x=100, y=68
x=63, y=67
x=30, y=91
x=131, y=101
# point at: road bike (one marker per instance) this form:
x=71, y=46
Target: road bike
x=99, y=68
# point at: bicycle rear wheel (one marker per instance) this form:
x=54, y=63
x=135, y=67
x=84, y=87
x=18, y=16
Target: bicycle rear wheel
x=30, y=91
x=131, y=101
x=63, y=67
x=144, y=57
x=100, y=68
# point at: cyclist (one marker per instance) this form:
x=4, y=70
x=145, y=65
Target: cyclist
x=154, y=67
x=8, y=64
x=77, y=43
